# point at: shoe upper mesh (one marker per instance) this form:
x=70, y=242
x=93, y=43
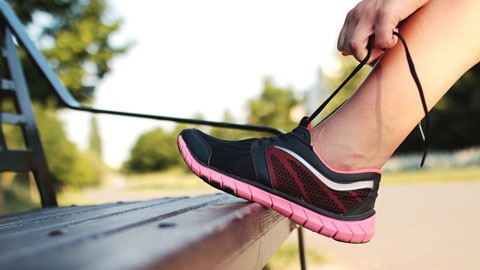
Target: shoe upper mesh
x=233, y=157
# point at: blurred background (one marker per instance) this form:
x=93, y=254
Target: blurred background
x=263, y=62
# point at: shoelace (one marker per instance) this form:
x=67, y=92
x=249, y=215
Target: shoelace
x=425, y=135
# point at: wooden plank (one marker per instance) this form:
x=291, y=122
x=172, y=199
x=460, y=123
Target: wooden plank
x=35, y=235
x=75, y=215
x=37, y=214
x=206, y=232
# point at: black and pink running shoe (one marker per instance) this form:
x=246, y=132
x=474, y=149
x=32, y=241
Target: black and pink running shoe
x=284, y=173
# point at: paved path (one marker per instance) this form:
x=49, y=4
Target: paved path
x=418, y=227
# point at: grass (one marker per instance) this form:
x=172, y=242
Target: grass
x=287, y=258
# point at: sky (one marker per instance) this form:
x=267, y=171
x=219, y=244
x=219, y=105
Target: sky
x=203, y=57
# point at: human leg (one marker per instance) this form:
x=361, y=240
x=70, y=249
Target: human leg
x=444, y=40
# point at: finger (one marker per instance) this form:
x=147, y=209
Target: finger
x=349, y=25
x=341, y=37
x=384, y=37
x=375, y=55
x=357, y=42
x=341, y=40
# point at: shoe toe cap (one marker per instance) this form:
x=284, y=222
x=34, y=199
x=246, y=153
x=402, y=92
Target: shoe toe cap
x=196, y=144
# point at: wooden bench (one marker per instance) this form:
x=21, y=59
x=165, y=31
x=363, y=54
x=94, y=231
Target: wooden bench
x=206, y=232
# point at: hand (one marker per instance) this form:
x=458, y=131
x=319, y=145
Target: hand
x=373, y=21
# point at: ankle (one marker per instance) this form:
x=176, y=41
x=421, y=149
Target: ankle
x=346, y=157
x=346, y=162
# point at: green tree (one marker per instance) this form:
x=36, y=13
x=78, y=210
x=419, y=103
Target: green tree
x=69, y=166
x=155, y=150
x=94, y=152
x=75, y=38
x=273, y=107
x=95, y=141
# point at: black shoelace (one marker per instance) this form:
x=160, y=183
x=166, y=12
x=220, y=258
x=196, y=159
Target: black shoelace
x=425, y=135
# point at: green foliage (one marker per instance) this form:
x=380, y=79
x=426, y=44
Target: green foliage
x=273, y=107
x=155, y=150
x=95, y=141
x=17, y=193
x=75, y=38
x=69, y=166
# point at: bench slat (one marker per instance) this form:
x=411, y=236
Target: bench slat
x=76, y=216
